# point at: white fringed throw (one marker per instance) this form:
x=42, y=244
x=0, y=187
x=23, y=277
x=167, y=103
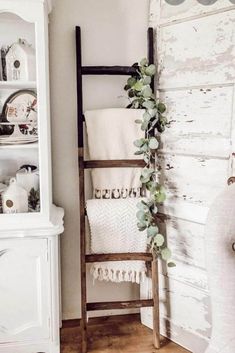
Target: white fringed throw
x=111, y=133
x=114, y=230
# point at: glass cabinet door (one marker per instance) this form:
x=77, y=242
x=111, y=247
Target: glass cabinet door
x=19, y=120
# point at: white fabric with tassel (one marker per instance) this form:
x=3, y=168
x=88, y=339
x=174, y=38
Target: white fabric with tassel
x=111, y=133
x=113, y=228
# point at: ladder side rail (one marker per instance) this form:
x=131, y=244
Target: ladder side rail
x=154, y=265
x=81, y=190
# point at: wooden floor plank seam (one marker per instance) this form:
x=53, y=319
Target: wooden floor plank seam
x=114, y=334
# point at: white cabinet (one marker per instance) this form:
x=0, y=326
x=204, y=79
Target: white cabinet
x=24, y=294
x=29, y=292
x=29, y=242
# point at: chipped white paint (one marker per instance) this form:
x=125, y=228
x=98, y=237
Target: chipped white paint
x=199, y=111
x=193, y=179
x=193, y=51
x=196, y=68
x=181, y=306
x=189, y=247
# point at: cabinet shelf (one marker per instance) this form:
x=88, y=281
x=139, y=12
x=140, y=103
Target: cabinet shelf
x=27, y=146
x=17, y=84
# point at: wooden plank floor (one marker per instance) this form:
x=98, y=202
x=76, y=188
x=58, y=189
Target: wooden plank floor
x=115, y=334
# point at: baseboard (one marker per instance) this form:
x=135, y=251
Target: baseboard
x=71, y=323
x=74, y=316
x=67, y=323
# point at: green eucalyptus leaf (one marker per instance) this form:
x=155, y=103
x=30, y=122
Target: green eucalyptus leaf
x=131, y=93
x=166, y=254
x=147, y=80
x=138, y=86
x=149, y=104
x=159, y=239
x=161, y=107
x=139, y=142
x=131, y=81
x=152, y=112
x=136, y=104
x=153, y=143
x=144, y=62
x=147, y=116
x=144, y=125
x=147, y=91
x=138, y=121
x=150, y=203
x=150, y=70
x=160, y=197
x=145, y=147
x=152, y=231
x=142, y=206
x=151, y=186
x=140, y=215
x=144, y=179
x=146, y=158
x=171, y=264
x=147, y=171
x=141, y=226
x=138, y=153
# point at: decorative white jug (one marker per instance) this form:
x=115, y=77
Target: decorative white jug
x=14, y=198
x=28, y=178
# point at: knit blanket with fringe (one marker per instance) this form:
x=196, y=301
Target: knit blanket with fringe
x=113, y=228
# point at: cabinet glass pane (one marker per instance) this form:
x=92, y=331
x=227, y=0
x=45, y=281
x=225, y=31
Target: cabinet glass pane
x=19, y=161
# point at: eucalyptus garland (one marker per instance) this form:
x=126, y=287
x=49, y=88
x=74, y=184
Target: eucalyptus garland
x=153, y=123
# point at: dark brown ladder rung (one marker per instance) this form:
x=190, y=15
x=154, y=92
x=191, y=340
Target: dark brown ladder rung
x=119, y=257
x=109, y=70
x=117, y=163
x=142, y=303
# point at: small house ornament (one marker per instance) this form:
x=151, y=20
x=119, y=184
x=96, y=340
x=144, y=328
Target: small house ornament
x=14, y=198
x=20, y=62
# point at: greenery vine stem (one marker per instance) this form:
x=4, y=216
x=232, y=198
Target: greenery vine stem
x=153, y=123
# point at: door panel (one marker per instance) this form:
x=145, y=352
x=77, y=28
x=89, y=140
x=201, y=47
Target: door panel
x=196, y=78
x=23, y=290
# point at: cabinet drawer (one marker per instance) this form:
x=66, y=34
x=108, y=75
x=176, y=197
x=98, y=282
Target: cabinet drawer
x=24, y=290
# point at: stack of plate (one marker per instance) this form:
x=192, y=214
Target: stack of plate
x=13, y=140
x=17, y=137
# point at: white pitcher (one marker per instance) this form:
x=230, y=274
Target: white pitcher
x=14, y=198
x=28, y=179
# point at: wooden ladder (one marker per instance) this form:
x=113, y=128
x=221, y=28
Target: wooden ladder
x=83, y=165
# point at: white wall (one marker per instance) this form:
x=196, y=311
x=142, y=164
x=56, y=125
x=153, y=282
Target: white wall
x=113, y=32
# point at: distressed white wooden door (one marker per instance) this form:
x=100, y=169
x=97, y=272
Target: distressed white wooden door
x=196, y=68
x=24, y=288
